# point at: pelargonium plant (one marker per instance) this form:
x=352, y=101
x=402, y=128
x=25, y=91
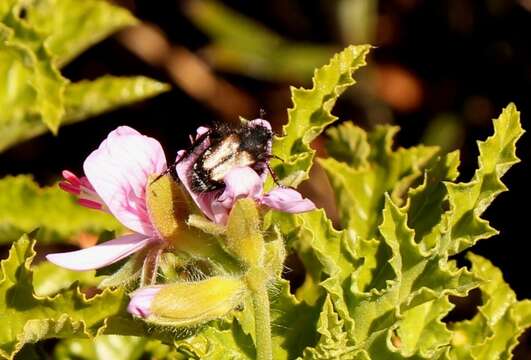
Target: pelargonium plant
x=202, y=275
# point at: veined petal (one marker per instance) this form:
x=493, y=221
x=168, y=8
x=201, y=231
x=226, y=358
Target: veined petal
x=119, y=170
x=240, y=182
x=287, y=200
x=140, y=304
x=101, y=255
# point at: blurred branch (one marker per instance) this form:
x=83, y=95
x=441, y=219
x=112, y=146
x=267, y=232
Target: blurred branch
x=188, y=71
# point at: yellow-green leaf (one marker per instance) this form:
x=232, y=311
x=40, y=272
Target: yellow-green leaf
x=311, y=113
x=25, y=207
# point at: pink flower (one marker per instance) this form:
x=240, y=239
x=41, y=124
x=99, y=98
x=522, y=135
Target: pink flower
x=116, y=179
x=239, y=182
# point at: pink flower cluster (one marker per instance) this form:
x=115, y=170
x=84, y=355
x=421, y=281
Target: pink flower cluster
x=117, y=175
x=116, y=179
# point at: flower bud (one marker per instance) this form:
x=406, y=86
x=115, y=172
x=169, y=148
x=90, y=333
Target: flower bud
x=168, y=206
x=244, y=235
x=188, y=303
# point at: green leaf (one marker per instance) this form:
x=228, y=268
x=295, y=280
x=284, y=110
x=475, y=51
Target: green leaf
x=377, y=286
x=24, y=207
x=241, y=45
x=72, y=26
x=348, y=143
x=33, y=88
x=334, y=342
x=36, y=97
x=425, y=203
x=494, y=330
x=86, y=99
x=311, y=113
x=406, y=277
x=366, y=169
x=49, y=279
x=221, y=340
x=102, y=347
x=29, y=318
x=421, y=331
x=469, y=200
x=89, y=98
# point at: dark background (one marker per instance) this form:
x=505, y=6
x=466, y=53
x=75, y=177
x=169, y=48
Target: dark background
x=441, y=71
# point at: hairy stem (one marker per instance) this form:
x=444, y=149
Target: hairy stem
x=257, y=284
x=150, y=267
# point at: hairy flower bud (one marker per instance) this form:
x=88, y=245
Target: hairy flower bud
x=188, y=303
x=244, y=235
x=168, y=207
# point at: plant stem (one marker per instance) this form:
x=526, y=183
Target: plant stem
x=256, y=282
x=150, y=266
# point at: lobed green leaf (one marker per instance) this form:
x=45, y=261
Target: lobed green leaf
x=29, y=318
x=24, y=207
x=493, y=332
x=311, y=113
x=89, y=98
x=469, y=200
x=73, y=26
x=35, y=97
x=366, y=169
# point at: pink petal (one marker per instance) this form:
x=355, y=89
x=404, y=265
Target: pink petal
x=287, y=200
x=100, y=255
x=240, y=182
x=140, y=304
x=184, y=171
x=119, y=170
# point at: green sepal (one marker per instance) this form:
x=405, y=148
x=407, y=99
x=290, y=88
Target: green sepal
x=127, y=274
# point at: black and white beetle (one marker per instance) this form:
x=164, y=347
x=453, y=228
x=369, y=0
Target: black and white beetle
x=247, y=144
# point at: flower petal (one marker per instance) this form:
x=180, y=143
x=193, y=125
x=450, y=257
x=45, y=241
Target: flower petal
x=100, y=255
x=184, y=172
x=119, y=170
x=240, y=182
x=287, y=200
x=140, y=304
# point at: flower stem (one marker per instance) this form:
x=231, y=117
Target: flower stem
x=257, y=283
x=150, y=266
